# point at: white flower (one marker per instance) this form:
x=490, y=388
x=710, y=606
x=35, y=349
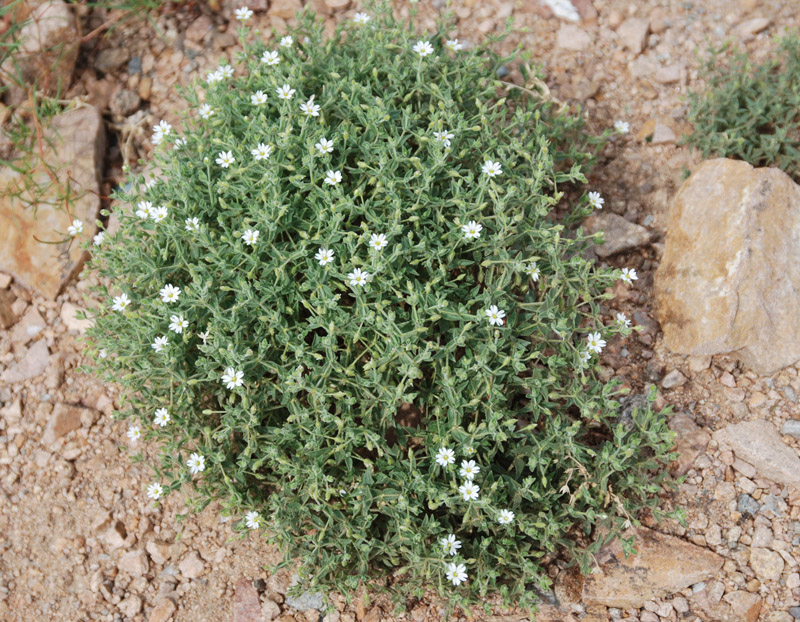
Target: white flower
x=595, y=200
x=324, y=256
x=450, y=544
x=378, y=241
x=310, y=108
x=595, y=343
x=469, y=490
x=99, y=237
x=196, y=463
x=358, y=278
x=226, y=71
x=285, y=92
x=103, y=353
x=445, y=456
x=212, y=77
x=160, y=132
x=158, y=213
x=532, y=270
x=495, y=315
x=444, y=136
x=143, y=209
x=155, y=491
x=456, y=573
x=169, y=293
x=469, y=450
x=453, y=44
x=472, y=230
x=492, y=169
x=179, y=142
x=623, y=320
x=204, y=336
x=205, y=111
x=75, y=228
x=506, y=517
x=162, y=417
x=192, y=224
x=120, y=302
x=270, y=58
x=232, y=378
x=324, y=146
x=584, y=357
x=262, y=151
x=623, y=127
x=225, y=159
x=361, y=18
x=629, y=275
x=243, y=14
x=333, y=177
x=252, y=520
x=160, y=343
x=134, y=433
x=469, y=469
x=250, y=237
x=177, y=323
x=150, y=183
x=286, y=42
x=423, y=48
x=258, y=98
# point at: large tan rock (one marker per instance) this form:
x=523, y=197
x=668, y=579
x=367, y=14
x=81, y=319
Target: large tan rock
x=76, y=156
x=729, y=280
x=663, y=565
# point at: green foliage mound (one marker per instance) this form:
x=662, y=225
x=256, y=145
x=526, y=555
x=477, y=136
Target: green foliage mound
x=376, y=347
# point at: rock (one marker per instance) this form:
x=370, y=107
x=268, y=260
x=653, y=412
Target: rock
x=5, y=280
x=663, y=565
x=782, y=616
x=619, y=235
x=69, y=316
x=753, y=26
x=160, y=552
x=711, y=296
x=63, y=420
x=12, y=413
x=745, y=504
x=78, y=139
x=759, y=443
x=270, y=610
x=192, y=566
x=585, y=9
x=762, y=537
x=632, y=33
x=246, y=603
x=109, y=60
x=306, y=600
x=795, y=612
x=746, y=606
x=768, y=565
x=669, y=74
x=563, y=9
x=7, y=316
x=285, y=9
x=131, y=606
x=337, y=5
x=31, y=324
x=673, y=379
x=115, y=536
x=124, y=102
x=791, y=428
x=571, y=37
x=199, y=30
x=32, y=364
x=662, y=134
x=162, y=611
x=690, y=442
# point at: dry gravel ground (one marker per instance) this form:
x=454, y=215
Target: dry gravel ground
x=81, y=542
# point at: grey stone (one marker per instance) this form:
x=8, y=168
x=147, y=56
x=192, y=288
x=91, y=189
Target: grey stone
x=124, y=102
x=673, y=379
x=795, y=611
x=791, y=428
x=759, y=443
x=745, y=504
x=33, y=364
x=619, y=235
x=110, y=60
x=306, y=600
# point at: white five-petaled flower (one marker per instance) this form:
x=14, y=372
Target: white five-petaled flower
x=252, y=520
x=179, y=142
x=169, y=293
x=623, y=320
x=595, y=200
x=155, y=491
x=99, y=237
x=324, y=256
x=453, y=44
x=310, y=108
x=361, y=18
x=162, y=417
x=450, y=544
x=495, y=315
x=226, y=71
x=158, y=213
x=324, y=146
x=456, y=573
x=287, y=41
x=103, y=353
x=243, y=14
x=445, y=456
x=423, y=48
x=225, y=159
x=262, y=151
x=358, y=278
x=192, y=224
x=623, y=127
x=333, y=177
x=469, y=469
x=444, y=137
x=629, y=275
x=120, y=302
x=469, y=490
x=134, y=433
x=204, y=336
x=532, y=270
x=506, y=517
x=250, y=237
x=76, y=227
x=378, y=241
x=492, y=169
x=232, y=378
x=258, y=98
x=285, y=91
x=160, y=343
x=212, y=77
x=595, y=343
x=196, y=463
x=270, y=58
x=177, y=323
x=584, y=357
x=205, y=111
x=160, y=131
x=143, y=209
x=472, y=230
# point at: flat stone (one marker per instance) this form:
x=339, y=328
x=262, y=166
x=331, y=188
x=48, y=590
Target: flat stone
x=632, y=34
x=31, y=324
x=124, y=102
x=160, y=552
x=111, y=59
x=192, y=566
x=768, y=565
x=710, y=296
x=745, y=606
x=690, y=441
x=306, y=600
x=673, y=379
x=663, y=565
x=134, y=563
x=78, y=139
x=7, y=316
x=115, y=536
x=753, y=26
x=33, y=364
x=571, y=37
x=745, y=504
x=246, y=603
x=199, y=29
x=791, y=428
x=270, y=610
x=669, y=74
x=162, y=611
x=285, y=9
x=759, y=443
x=131, y=606
x=619, y=235
x=64, y=419
x=12, y=413
x=662, y=134
x=69, y=314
